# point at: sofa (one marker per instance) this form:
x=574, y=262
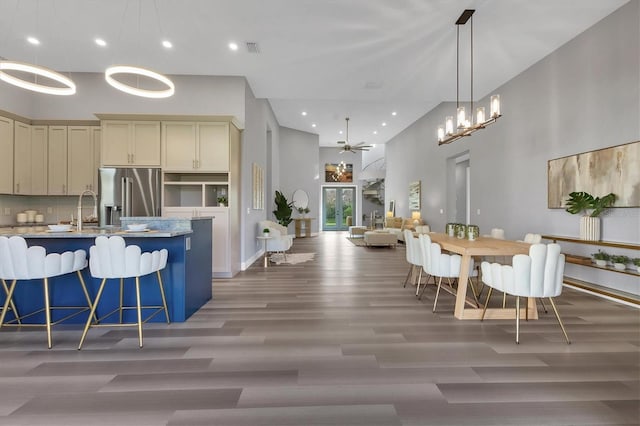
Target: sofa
x=397, y=225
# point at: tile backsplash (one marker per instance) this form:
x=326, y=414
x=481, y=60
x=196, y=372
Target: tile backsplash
x=54, y=208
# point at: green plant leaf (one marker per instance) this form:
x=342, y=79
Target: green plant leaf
x=600, y=204
x=283, y=209
x=579, y=202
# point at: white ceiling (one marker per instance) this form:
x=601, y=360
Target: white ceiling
x=331, y=58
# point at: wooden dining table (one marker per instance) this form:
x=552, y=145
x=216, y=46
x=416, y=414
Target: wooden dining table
x=482, y=246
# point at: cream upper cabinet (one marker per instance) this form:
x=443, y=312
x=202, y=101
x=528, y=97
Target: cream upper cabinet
x=57, y=165
x=130, y=143
x=213, y=147
x=96, y=137
x=30, y=159
x=81, y=159
x=178, y=146
x=39, y=159
x=195, y=146
x=22, y=158
x=6, y=155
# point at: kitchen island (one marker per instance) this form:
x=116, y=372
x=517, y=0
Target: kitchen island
x=187, y=277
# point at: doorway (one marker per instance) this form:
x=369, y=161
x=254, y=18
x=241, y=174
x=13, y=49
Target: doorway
x=338, y=204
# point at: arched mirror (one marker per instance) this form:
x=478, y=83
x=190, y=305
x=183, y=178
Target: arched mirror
x=300, y=199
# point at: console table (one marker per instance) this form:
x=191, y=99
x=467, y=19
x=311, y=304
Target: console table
x=303, y=223
x=585, y=261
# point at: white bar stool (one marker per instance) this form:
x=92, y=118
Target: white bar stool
x=111, y=258
x=21, y=263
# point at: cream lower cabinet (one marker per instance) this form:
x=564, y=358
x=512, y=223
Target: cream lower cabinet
x=220, y=234
x=130, y=143
x=195, y=146
x=82, y=144
x=30, y=159
x=6, y=155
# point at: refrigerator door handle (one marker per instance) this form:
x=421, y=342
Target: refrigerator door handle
x=126, y=196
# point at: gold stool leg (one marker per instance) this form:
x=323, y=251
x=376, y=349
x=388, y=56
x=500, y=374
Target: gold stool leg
x=7, y=301
x=11, y=304
x=486, y=303
x=47, y=311
x=121, y=297
x=419, y=282
x=92, y=313
x=435, y=302
x=517, y=319
x=139, y=310
x=559, y=321
x=164, y=300
x=86, y=292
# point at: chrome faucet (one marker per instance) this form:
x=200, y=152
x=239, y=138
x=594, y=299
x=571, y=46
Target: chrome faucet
x=95, y=207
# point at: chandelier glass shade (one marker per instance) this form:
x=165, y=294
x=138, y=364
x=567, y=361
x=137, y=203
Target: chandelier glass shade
x=465, y=124
x=68, y=86
x=125, y=69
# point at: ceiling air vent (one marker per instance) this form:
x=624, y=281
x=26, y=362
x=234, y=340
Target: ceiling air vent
x=252, y=47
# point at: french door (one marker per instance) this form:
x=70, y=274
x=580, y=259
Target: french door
x=338, y=203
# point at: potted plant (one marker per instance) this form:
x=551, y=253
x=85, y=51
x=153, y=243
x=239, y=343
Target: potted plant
x=601, y=258
x=222, y=201
x=300, y=210
x=619, y=261
x=591, y=208
x=636, y=262
x=265, y=232
x=306, y=211
x=283, y=209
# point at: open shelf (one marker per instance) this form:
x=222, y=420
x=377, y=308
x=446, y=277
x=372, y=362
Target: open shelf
x=194, y=189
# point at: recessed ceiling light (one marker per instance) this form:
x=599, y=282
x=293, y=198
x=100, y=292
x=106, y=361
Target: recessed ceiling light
x=313, y=125
x=233, y=46
x=339, y=132
x=394, y=113
x=100, y=42
x=167, y=44
x=384, y=124
x=304, y=112
x=375, y=132
x=33, y=40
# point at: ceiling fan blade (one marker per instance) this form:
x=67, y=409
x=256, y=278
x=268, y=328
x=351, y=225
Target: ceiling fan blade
x=358, y=144
x=352, y=151
x=342, y=142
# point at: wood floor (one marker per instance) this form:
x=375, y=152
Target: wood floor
x=334, y=341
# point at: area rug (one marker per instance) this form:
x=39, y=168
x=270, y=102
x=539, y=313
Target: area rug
x=292, y=258
x=357, y=241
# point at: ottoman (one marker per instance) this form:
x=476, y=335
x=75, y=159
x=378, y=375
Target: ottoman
x=357, y=231
x=377, y=238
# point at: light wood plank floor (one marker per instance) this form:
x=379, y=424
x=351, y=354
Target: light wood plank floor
x=334, y=341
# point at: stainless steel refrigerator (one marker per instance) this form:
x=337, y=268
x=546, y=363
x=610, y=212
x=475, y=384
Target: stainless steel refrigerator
x=128, y=192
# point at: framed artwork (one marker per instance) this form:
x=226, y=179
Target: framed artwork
x=414, y=195
x=600, y=172
x=258, y=187
x=341, y=172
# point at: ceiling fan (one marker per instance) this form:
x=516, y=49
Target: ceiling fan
x=352, y=148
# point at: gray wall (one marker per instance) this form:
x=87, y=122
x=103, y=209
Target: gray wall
x=582, y=97
x=300, y=170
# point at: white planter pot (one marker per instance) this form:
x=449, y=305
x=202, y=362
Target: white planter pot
x=590, y=228
x=601, y=262
x=638, y=268
x=265, y=234
x=620, y=266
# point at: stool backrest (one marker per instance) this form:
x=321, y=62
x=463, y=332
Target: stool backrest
x=110, y=257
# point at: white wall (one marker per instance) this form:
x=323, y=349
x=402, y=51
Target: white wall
x=583, y=96
x=17, y=101
x=300, y=170
x=195, y=95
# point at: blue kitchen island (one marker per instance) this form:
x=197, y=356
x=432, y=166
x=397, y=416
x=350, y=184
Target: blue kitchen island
x=187, y=277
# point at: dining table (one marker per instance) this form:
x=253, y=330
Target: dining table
x=480, y=248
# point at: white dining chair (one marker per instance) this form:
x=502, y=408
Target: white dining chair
x=538, y=274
